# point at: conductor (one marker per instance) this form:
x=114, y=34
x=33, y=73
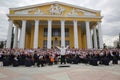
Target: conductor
x=62, y=53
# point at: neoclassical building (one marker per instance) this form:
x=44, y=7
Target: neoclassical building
x=55, y=24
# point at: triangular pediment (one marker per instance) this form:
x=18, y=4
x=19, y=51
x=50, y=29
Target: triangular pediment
x=55, y=8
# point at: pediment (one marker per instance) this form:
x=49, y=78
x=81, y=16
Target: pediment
x=55, y=8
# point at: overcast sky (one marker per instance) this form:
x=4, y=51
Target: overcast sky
x=109, y=9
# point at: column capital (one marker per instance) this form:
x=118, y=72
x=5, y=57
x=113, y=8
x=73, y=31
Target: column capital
x=62, y=20
x=16, y=25
x=36, y=20
x=49, y=22
x=49, y=19
x=10, y=20
x=87, y=21
x=75, y=20
x=24, y=20
x=99, y=21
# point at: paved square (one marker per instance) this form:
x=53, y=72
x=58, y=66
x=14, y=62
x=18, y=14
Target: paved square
x=74, y=72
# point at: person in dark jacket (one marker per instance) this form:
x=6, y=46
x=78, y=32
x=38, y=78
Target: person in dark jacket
x=15, y=62
x=115, y=58
x=6, y=61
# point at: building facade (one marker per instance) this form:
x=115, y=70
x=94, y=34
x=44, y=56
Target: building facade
x=54, y=24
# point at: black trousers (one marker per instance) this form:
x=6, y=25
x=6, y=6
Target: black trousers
x=40, y=62
x=63, y=59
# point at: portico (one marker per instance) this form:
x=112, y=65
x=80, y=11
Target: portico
x=56, y=26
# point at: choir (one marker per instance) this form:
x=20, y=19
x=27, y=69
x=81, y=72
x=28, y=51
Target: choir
x=41, y=57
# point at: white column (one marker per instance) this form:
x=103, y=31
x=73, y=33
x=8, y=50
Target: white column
x=75, y=34
x=88, y=34
x=62, y=33
x=49, y=34
x=15, y=38
x=91, y=39
x=100, y=35
x=36, y=33
x=19, y=37
x=95, y=38
x=22, y=38
x=8, y=45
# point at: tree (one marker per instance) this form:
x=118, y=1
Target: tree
x=1, y=44
x=118, y=45
x=104, y=45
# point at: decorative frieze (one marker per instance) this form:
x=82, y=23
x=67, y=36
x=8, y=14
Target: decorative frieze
x=86, y=13
x=30, y=11
x=56, y=9
x=38, y=11
x=73, y=12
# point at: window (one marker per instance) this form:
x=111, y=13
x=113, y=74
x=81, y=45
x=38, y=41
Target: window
x=67, y=42
x=66, y=32
x=45, y=43
x=56, y=32
x=45, y=32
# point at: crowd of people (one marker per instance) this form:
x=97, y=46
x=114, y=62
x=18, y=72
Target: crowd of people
x=42, y=57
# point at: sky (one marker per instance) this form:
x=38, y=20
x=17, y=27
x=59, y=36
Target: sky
x=109, y=9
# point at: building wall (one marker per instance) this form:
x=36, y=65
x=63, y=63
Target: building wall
x=84, y=41
x=71, y=33
x=30, y=36
x=79, y=37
